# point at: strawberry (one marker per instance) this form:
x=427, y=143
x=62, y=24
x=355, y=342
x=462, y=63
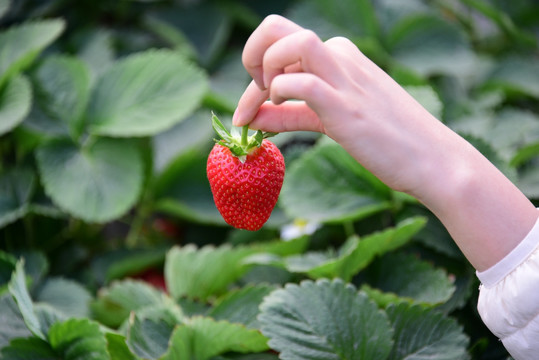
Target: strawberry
x=245, y=175
x=153, y=277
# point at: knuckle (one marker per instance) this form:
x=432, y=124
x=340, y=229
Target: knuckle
x=311, y=88
x=341, y=40
x=344, y=44
x=271, y=23
x=309, y=39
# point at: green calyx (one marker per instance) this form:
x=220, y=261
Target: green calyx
x=239, y=145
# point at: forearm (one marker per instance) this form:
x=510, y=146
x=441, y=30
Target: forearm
x=485, y=213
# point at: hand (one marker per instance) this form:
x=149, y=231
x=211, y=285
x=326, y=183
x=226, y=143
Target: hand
x=346, y=96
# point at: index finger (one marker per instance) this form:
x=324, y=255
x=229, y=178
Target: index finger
x=270, y=30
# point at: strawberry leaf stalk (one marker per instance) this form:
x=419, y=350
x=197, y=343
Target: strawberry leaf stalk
x=246, y=175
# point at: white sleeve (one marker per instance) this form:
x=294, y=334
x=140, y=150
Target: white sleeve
x=509, y=298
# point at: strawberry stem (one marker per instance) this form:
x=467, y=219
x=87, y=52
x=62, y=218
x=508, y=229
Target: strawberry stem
x=241, y=145
x=244, y=134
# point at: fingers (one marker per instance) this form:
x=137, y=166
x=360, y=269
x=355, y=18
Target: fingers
x=302, y=48
x=278, y=46
x=289, y=116
x=248, y=104
x=253, y=109
x=319, y=99
x=273, y=28
x=289, y=62
x=344, y=46
x=317, y=93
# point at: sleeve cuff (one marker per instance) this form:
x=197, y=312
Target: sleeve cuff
x=518, y=255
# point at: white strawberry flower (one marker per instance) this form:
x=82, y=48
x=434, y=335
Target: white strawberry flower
x=299, y=227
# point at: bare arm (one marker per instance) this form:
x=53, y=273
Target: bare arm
x=349, y=98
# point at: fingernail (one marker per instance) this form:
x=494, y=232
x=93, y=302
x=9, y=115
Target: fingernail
x=236, y=118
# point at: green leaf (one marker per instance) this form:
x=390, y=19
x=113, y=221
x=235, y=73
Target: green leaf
x=183, y=190
x=13, y=325
x=38, y=127
x=192, y=133
x=48, y=315
x=408, y=276
x=357, y=253
x=391, y=12
x=16, y=188
x=114, y=304
x=434, y=235
x=205, y=272
x=19, y=291
x=325, y=320
x=202, y=338
x=135, y=263
x=4, y=7
x=220, y=129
x=97, y=183
x=21, y=44
x=314, y=259
x=241, y=306
x=228, y=82
x=525, y=154
x=150, y=328
x=97, y=52
x=259, y=356
x=63, y=90
x=117, y=347
x=465, y=287
x=428, y=98
x=350, y=18
x=145, y=94
x=515, y=76
x=425, y=334
x=259, y=136
x=382, y=242
x=328, y=185
x=36, y=266
x=171, y=35
x=384, y=299
x=528, y=182
x=430, y=45
x=28, y=349
x=66, y=296
x=202, y=273
x=282, y=248
x=122, y=263
x=15, y=103
x=7, y=266
x=78, y=339
x=209, y=37
x=503, y=20
x=148, y=337
x=493, y=155
x=508, y=130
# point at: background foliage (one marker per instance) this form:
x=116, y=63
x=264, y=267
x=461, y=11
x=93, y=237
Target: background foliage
x=111, y=246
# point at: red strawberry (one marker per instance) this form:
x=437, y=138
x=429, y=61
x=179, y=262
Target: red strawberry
x=245, y=175
x=153, y=277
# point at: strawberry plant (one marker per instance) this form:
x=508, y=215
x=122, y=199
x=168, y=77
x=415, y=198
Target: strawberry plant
x=113, y=246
